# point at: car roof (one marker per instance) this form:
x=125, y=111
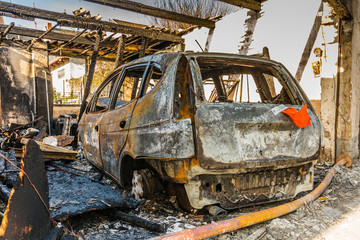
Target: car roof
x=201, y=54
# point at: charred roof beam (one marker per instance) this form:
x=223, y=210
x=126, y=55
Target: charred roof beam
x=340, y=8
x=40, y=37
x=16, y=16
x=70, y=41
x=6, y=31
x=249, y=4
x=51, y=35
x=80, y=22
x=156, y=12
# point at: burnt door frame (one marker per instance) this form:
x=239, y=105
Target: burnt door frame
x=92, y=121
x=116, y=123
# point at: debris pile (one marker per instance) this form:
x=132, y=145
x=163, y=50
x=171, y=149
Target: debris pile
x=87, y=205
x=59, y=146
x=308, y=222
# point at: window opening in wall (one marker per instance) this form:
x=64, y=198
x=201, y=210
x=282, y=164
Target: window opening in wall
x=61, y=73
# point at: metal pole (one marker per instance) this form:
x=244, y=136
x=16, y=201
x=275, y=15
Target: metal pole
x=47, y=102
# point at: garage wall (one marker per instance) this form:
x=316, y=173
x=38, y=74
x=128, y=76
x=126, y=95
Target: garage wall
x=17, y=85
x=347, y=140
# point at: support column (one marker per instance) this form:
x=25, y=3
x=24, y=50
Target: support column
x=355, y=77
x=347, y=115
x=328, y=108
x=144, y=43
x=209, y=38
x=120, y=51
x=90, y=74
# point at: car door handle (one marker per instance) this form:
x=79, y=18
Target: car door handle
x=122, y=124
x=96, y=128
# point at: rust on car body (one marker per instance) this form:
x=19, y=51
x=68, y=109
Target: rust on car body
x=205, y=121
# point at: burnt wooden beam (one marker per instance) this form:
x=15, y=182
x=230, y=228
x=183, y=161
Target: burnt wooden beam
x=340, y=8
x=81, y=22
x=51, y=35
x=249, y=4
x=7, y=30
x=16, y=16
x=90, y=74
x=144, y=43
x=70, y=41
x=102, y=41
x=117, y=21
x=155, y=12
x=141, y=222
x=28, y=205
x=78, y=55
x=40, y=37
x=208, y=40
x=117, y=28
x=120, y=51
x=309, y=45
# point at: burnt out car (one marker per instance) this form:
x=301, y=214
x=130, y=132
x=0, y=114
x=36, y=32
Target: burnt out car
x=206, y=123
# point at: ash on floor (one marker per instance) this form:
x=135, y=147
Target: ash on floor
x=308, y=222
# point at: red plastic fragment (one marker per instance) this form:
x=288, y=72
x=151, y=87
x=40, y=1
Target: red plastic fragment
x=300, y=118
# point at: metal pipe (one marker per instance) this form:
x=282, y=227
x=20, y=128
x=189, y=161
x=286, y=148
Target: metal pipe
x=47, y=102
x=232, y=224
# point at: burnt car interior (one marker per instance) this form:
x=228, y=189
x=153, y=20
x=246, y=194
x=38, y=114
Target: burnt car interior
x=240, y=82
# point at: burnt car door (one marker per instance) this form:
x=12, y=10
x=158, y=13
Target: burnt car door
x=90, y=123
x=237, y=124
x=115, y=122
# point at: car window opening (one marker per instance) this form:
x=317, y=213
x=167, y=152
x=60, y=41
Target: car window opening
x=130, y=85
x=237, y=82
x=102, y=96
x=155, y=76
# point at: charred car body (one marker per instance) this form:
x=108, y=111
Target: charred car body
x=204, y=121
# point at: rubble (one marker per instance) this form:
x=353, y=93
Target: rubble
x=77, y=188
x=306, y=223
